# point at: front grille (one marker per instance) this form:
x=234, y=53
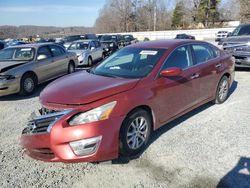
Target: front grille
x=42, y=124
x=45, y=111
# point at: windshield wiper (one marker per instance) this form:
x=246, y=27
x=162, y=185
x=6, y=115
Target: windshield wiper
x=107, y=75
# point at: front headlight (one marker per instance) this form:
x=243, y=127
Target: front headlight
x=111, y=45
x=96, y=114
x=6, y=77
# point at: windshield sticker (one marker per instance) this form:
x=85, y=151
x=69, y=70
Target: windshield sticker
x=25, y=49
x=148, y=52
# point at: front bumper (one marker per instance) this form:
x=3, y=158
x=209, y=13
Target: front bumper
x=56, y=145
x=9, y=87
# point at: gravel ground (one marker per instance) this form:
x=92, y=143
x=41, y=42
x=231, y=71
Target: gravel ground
x=207, y=147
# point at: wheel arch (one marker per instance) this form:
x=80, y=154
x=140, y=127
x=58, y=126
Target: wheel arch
x=72, y=61
x=146, y=108
x=30, y=73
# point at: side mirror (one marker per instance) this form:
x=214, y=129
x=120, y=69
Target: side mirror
x=42, y=57
x=174, y=71
x=92, y=48
x=229, y=34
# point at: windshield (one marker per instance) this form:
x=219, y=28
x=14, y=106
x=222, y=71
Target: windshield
x=241, y=30
x=79, y=46
x=108, y=37
x=129, y=63
x=17, y=54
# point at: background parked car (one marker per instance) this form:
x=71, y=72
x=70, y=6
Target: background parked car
x=66, y=41
x=238, y=44
x=129, y=39
x=15, y=43
x=23, y=67
x=2, y=45
x=221, y=35
x=111, y=43
x=184, y=36
x=87, y=51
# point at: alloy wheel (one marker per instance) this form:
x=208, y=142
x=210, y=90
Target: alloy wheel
x=137, y=133
x=223, y=90
x=29, y=85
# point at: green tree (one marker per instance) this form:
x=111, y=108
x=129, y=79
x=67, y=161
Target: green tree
x=208, y=12
x=177, y=18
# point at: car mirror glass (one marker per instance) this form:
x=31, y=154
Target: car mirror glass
x=171, y=72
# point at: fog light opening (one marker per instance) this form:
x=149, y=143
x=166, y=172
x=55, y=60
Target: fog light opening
x=86, y=146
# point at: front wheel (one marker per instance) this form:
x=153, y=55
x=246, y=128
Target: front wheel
x=27, y=85
x=135, y=132
x=222, y=90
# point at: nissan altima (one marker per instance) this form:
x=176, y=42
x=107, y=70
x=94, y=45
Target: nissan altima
x=112, y=108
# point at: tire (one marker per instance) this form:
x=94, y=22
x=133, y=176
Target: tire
x=135, y=132
x=222, y=90
x=28, y=84
x=90, y=61
x=71, y=68
x=103, y=56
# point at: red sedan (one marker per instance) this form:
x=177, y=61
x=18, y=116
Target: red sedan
x=112, y=109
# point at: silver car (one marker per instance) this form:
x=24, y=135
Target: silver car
x=23, y=67
x=87, y=51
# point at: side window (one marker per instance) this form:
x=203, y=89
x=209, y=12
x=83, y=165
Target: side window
x=44, y=50
x=180, y=57
x=202, y=53
x=92, y=44
x=216, y=51
x=56, y=51
x=97, y=44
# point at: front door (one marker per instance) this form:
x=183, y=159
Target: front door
x=177, y=94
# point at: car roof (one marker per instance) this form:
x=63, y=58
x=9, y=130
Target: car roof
x=170, y=43
x=34, y=45
x=85, y=40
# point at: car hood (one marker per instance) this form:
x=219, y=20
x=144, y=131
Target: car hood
x=237, y=39
x=83, y=88
x=6, y=65
x=78, y=52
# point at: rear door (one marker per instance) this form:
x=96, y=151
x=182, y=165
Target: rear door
x=99, y=49
x=93, y=50
x=177, y=94
x=44, y=67
x=60, y=60
x=208, y=61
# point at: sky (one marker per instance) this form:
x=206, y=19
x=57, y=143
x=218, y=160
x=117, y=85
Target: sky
x=60, y=13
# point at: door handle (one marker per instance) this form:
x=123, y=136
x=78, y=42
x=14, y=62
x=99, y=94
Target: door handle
x=218, y=65
x=194, y=76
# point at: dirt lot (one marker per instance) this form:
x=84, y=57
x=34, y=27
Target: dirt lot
x=207, y=147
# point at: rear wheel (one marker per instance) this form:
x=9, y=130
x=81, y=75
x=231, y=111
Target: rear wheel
x=71, y=68
x=222, y=90
x=135, y=132
x=28, y=84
